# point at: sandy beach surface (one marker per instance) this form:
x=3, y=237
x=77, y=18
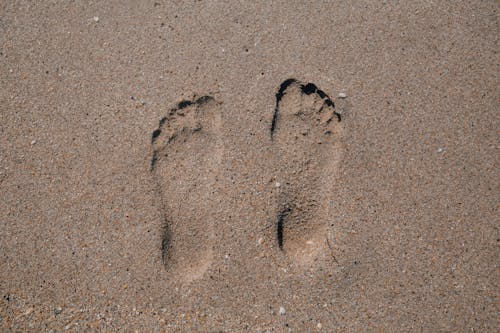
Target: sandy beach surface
x=249, y=166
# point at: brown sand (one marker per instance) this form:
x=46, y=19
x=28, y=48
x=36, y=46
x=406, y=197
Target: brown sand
x=387, y=223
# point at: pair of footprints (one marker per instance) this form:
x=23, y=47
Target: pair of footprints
x=187, y=153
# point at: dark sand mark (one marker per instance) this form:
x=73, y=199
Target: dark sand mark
x=306, y=133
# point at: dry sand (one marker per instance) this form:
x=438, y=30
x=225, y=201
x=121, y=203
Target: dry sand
x=155, y=177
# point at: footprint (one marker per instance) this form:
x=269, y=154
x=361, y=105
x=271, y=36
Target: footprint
x=187, y=153
x=306, y=134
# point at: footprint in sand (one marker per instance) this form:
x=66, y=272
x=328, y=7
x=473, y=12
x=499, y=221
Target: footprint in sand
x=186, y=156
x=305, y=134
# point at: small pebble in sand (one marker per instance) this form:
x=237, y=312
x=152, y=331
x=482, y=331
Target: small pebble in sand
x=282, y=311
x=260, y=241
x=57, y=310
x=33, y=142
x=96, y=18
x=278, y=184
x=319, y=326
x=342, y=95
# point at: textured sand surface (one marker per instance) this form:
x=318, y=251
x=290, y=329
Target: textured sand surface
x=159, y=173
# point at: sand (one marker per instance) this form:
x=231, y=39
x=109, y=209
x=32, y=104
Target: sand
x=160, y=174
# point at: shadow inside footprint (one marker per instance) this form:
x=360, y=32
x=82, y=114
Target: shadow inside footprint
x=305, y=133
x=185, y=162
